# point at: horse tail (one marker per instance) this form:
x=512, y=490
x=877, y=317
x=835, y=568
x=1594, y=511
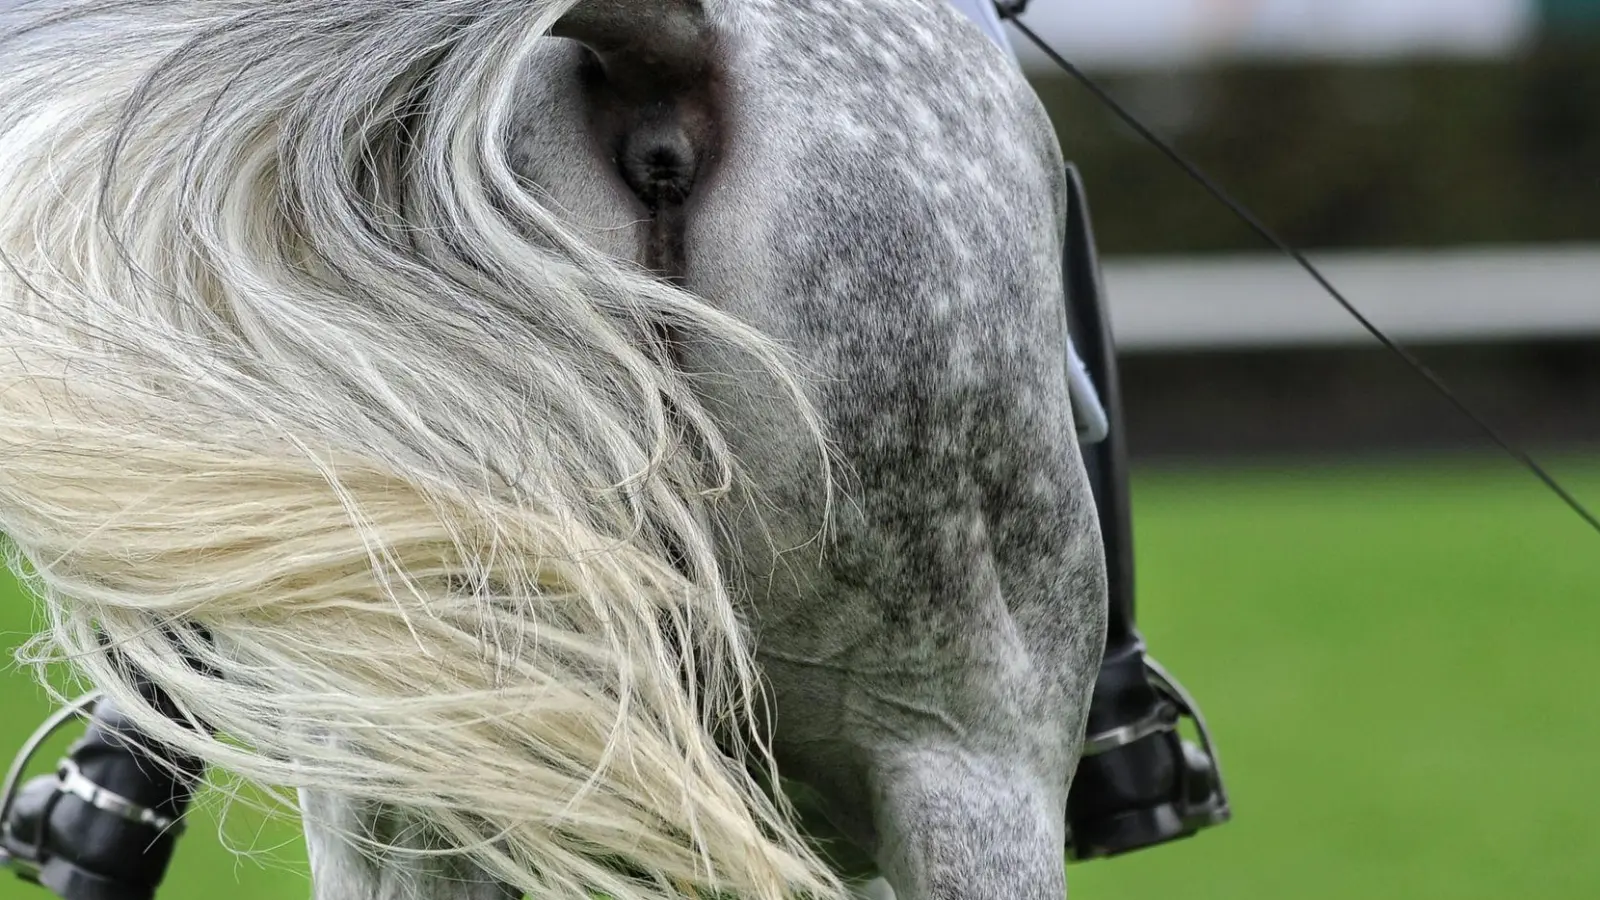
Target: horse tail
x=318, y=417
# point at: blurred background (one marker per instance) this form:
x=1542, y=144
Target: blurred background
x=1389, y=626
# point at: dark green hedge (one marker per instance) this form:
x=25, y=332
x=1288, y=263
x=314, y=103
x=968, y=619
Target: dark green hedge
x=1337, y=155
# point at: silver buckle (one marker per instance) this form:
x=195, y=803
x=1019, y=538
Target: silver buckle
x=77, y=784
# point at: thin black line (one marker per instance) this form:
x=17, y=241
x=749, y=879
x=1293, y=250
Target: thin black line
x=1256, y=225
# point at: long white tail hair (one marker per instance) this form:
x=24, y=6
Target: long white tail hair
x=313, y=414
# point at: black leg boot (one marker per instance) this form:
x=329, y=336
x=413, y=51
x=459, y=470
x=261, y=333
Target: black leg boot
x=1140, y=783
x=105, y=826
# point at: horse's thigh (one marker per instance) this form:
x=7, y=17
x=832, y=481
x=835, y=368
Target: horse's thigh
x=340, y=870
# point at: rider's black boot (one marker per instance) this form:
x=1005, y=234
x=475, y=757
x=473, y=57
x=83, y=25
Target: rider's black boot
x=104, y=827
x=1140, y=783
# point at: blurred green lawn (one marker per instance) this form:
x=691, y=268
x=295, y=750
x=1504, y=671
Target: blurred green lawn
x=1396, y=659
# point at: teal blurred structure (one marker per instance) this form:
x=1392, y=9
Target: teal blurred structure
x=1566, y=13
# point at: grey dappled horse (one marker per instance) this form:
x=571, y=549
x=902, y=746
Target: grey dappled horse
x=871, y=184
x=889, y=200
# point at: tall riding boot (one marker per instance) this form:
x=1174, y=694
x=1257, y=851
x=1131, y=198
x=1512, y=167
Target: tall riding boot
x=1140, y=783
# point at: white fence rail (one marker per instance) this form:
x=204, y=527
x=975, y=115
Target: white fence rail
x=1487, y=295
x=1158, y=33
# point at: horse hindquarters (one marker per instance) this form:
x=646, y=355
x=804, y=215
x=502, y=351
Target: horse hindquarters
x=890, y=202
x=874, y=186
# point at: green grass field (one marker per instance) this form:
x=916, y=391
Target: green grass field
x=1396, y=659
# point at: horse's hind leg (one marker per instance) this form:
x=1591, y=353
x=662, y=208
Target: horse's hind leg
x=954, y=825
x=340, y=870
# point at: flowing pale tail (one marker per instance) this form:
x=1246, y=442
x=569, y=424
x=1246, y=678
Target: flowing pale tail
x=312, y=412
